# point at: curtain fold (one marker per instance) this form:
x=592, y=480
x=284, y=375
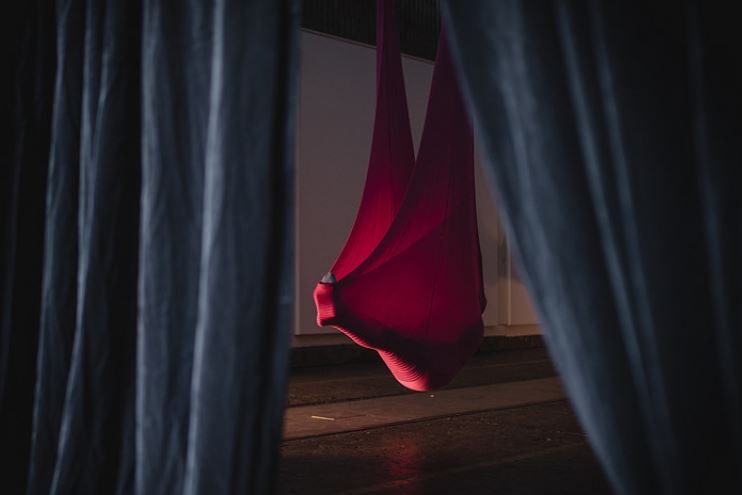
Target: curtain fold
x=153, y=266
x=176, y=75
x=608, y=133
x=95, y=446
x=245, y=295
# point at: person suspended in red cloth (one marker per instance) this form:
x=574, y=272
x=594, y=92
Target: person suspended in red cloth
x=408, y=282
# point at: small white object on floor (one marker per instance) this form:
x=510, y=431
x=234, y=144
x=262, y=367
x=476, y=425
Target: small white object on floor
x=323, y=417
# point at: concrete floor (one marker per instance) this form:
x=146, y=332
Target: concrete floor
x=503, y=427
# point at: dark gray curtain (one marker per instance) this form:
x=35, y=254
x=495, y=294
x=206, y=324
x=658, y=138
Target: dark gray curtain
x=28, y=68
x=612, y=134
x=146, y=284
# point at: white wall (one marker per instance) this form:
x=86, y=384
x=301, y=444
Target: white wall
x=335, y=120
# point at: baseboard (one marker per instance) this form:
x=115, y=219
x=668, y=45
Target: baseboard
x=328, y=355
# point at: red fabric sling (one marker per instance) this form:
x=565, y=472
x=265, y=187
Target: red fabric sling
x=408, y=282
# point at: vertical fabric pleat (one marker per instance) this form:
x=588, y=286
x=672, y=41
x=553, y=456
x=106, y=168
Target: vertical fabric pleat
x=95, y=449
x=245, y=289
x=607, y=130
x=176, y=70
x=153, y=266
x=59, y=289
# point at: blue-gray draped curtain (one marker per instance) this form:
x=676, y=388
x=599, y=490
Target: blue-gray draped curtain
x=612, y=134
x=146, y=283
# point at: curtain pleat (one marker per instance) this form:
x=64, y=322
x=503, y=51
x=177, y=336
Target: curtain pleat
x=60, y=262
x=245, y=279
x=153, y=267
x=215, y=294
x=176, y=72
x=607, y=130
x=95, y=446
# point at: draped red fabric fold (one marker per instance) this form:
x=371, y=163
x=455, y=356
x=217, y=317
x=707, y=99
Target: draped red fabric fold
x=408, y=282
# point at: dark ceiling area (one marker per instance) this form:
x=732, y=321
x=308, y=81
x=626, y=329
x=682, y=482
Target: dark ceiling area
x=419, y=22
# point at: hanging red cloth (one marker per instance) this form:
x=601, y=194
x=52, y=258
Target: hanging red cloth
x=408, y=282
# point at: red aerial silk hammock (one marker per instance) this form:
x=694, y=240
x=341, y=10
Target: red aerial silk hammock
x=409, y=281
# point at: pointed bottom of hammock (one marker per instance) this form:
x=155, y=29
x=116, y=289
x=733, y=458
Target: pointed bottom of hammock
x=418, y=365
x=429, y=367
